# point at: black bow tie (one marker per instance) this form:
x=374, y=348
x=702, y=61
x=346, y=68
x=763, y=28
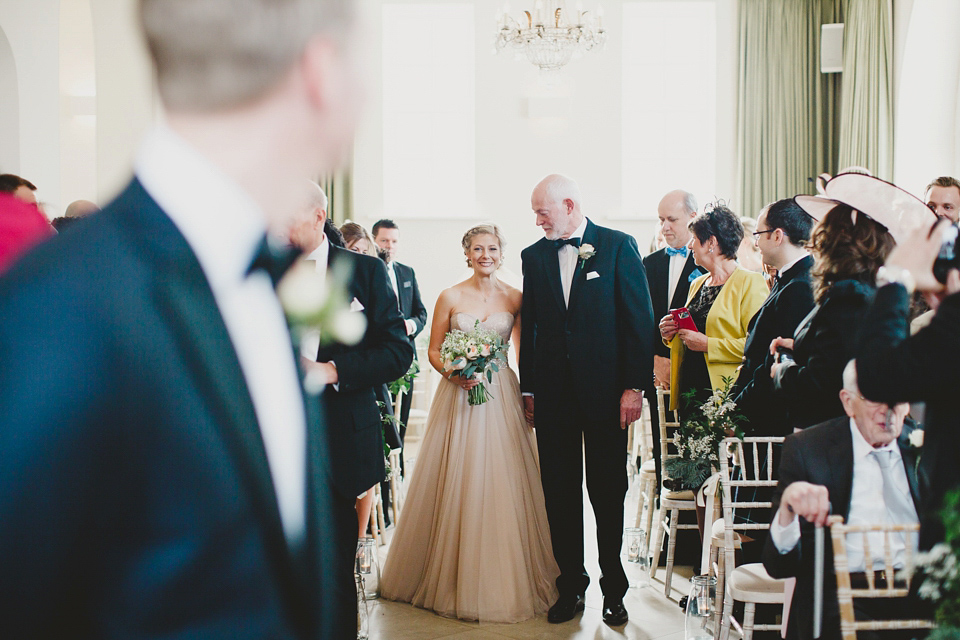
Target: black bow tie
x=274, y=262
x=560, y=242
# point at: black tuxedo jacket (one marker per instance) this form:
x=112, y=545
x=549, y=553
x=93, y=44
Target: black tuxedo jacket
x=894, y=366
x=411, y=306
x=822, y=455
x=137, y=499
x=790, y=301
x=824, y=343
x=657, y=266
x=605, y=337
x=384, y=354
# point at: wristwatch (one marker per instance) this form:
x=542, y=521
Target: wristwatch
x=896, y=275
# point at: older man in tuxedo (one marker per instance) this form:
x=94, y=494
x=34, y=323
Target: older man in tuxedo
x=163, y=472
x=351, y=372
x=865, y=468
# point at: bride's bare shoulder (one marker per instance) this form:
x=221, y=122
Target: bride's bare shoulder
x=515, y=297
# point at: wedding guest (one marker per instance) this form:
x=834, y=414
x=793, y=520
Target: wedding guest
x=782, y=233
x=748, y=254
x=863, y=466
x=351, y=373
x=721, y=304
x=386, y=234
x=164, y=472
x=848, y=247
x=358, y=239
x=19, y=188
x=669, y=272
x=943, y=198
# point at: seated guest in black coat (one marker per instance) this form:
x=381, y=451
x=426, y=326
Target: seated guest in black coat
x=845, y=463
x=352, y=372
x=848, y=247
x=898, y=367
x=783, y=230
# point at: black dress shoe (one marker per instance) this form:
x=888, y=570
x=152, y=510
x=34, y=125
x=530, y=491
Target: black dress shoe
x=565, y=608
x=614, y=613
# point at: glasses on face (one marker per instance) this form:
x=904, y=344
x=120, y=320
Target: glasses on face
x=758, y=233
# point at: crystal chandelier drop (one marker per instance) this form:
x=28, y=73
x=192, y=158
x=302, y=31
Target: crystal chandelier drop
x=551, y=35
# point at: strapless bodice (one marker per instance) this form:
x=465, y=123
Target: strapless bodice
x=501, y=322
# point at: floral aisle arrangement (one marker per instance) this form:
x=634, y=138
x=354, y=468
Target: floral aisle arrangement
x=699, y=437
x=475, y=354
x=404, y=383
x=939, y=569
x=387, y=421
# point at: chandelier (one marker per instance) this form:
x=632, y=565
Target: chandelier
x=551, y=35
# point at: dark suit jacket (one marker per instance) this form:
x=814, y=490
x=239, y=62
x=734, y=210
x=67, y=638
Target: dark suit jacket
x=383, y=355
x=896, y=367
x=606, y=335
x=790, y=301
x=137, y=499
x=810, y=389
x=657, y=266
x=411, y=306
x=821, y=455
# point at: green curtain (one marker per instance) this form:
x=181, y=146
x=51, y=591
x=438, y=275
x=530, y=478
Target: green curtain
x=866, y=115
x=786, y=121
x=339, y=192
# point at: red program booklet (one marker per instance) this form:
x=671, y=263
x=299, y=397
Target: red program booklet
x=682, y=317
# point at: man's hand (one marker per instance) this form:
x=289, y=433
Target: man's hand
x=809, y=501
x=917, y=253
x=324, y=372
x=411, y=326
x=786, y=343
x=631, y=407
x=528, y=410
x=661, y=372
x=694, y=340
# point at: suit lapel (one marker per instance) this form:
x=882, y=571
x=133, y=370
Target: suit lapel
x=579, y=277
x=551, y=269
x=683, y=284
x=840, y=468
x=909, y=455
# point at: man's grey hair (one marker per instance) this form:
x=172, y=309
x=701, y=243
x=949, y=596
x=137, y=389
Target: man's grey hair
x=559, y=188
x=850, y=377
x=690, y=203
x=212, y=55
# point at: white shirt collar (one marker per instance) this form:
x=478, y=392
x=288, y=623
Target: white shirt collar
x=787, y=266
x=220, y=221
x=321, y=254
x=578, y=233
x=862, y=448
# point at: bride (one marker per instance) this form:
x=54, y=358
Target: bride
x=473, y=540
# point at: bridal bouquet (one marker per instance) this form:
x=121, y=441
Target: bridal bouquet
x=699, y=437
x=475, y=354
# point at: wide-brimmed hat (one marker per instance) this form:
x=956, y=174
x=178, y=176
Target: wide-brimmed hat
x=884, y=202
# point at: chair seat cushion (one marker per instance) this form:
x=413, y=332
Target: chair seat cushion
x=677, y=495
x=716, y=534
x=752, y=583
x=648, y=467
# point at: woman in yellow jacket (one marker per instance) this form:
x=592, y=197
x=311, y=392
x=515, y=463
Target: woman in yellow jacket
x=721, y=303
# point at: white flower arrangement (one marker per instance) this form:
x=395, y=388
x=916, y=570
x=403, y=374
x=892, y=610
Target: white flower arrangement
x=586, y=252
x=916, y=438
x=312, y=301
x=476, y=354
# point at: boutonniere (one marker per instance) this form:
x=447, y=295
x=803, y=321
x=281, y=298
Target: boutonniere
x=586, y=252
x=916, y=438
x=313, y=302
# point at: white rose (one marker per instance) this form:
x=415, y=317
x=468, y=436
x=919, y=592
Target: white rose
x=459, y=364
x=348, y=327
x=485, y=350
x=302, y=291
x=916, y=438
x=472, y=353
x=447, y=363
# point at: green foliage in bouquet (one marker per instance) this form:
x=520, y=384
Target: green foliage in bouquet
x=699, y=437
x=386, y=420
x=405, y=382
x=940, y=571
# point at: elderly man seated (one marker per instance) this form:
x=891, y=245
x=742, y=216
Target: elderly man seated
x=862, y=466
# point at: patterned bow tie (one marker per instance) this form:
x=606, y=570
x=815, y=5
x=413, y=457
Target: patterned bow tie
x=682, y=251
x=274, y=262
x=560, y=242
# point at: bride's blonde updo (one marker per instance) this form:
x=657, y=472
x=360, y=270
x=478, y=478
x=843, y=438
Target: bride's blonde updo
x=481, y=230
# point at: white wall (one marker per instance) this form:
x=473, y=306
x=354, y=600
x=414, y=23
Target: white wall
x=513, y=152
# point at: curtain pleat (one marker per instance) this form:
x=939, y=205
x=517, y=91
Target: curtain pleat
x=339, y=195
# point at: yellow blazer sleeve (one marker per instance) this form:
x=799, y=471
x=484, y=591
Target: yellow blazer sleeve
x=730, y=316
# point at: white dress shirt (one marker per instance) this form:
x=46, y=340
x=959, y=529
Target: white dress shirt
x=568, y=256
x=677, y=263
x=866, y=507
x=224, y=227
x=310, y=340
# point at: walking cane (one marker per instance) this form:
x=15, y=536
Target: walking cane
x=818, y=578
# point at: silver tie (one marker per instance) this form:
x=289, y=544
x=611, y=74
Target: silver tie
x=899, y=504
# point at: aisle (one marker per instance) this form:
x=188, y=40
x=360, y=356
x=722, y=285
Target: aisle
x=652, y=615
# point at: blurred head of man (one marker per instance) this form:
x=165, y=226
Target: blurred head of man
x=878, y=423
x=18, y=187
x=269, y=90
x=307, y=226
x=675, y=211
x=80, y=208
x=943, y=198
x=386, y=235
x=783, y=230
x=556, y=202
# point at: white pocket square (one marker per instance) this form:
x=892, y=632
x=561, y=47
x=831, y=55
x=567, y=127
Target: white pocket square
x=592, y=275
x=355, y=305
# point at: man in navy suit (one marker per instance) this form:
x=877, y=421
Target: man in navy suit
x=586, y=351
x=862, y=465
x=669, y=272
x=163, y=472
